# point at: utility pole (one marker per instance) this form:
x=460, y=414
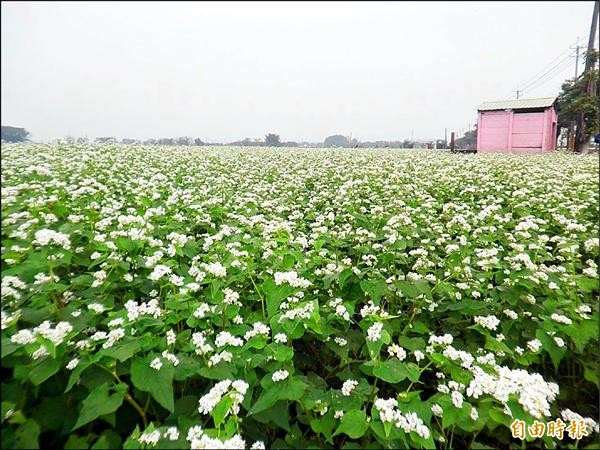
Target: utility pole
x=576, y=48
x=580, y=139
x=518, y=92
x=446, y=137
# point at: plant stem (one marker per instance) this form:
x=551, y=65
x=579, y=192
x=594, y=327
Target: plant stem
x=128, y=397
x=262, y=300
x=138, y=408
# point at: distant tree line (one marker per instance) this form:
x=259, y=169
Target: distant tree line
x=468, y=141
x=14, y=134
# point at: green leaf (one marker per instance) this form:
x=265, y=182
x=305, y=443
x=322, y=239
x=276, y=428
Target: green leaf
x=556, y=353
x=107, y=441
x=283, y=353
x=100, y=403
x=274, y=295
x=221, y=409
x=277, y=414
x=27, y=435
x=8, y=347
x=343, y=277
x=290, y=389
x=408, y=288
x=582, y=333
x=354, y=424
x=77, y=371
x=76, y=443
x=42, y=370
x=123, y=350
x=392, y=371
x=324, y=425
x=375, y=289
x=159, y=383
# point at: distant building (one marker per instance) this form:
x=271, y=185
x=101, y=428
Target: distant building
x=526, y=125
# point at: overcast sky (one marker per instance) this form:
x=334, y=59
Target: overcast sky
x=225, y=71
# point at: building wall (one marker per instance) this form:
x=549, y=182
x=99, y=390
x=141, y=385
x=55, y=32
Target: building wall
x=516, y=132
x=492, y=131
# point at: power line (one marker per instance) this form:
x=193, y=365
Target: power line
x=559, y=71
x=551, y=62
x=548, y=67
x=560, y=63
x=550, y=73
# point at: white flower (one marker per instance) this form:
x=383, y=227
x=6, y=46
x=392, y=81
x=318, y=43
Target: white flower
x=561, y=319
x=457, y=399
x=238, y=320
x=281, y=338
x=290, y=278
x=534, y=345
x=171, y=434
x=159, y=271
x=116, y=323
x=170, y=357
x=446, y=339
x=151, y=438
x=156, y=364
x=216, y=269
x=40, y=353
x=23, y=337
x=341, y=311
x=199, y=341
x=280, y=375
x=590, y=423
x=340, y=341
x=374, y=332
x=171, y=337
x=96, y=307
x=218, y=357
x=533, y=393
x=99, y=278
x=437, y=410
x=236, y=390
x=231, y=297
x=226, y=338
x=474, y=414
x=72, y=364
x=348, y=387
x=194, y=433
x=257, y=329
x=559, y=342
x=397, y=351
x=489, y=322
x=45, y=237
x=201, y=310
x=418, y=355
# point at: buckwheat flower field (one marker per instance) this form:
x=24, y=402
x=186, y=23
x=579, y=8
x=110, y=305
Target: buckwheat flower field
x=198, y=297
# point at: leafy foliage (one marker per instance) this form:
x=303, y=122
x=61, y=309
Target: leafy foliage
x=208, y=297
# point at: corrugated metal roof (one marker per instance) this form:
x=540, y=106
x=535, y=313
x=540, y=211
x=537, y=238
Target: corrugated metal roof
x=522, y=103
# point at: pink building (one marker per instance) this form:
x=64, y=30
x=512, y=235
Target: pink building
x=526, y=125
